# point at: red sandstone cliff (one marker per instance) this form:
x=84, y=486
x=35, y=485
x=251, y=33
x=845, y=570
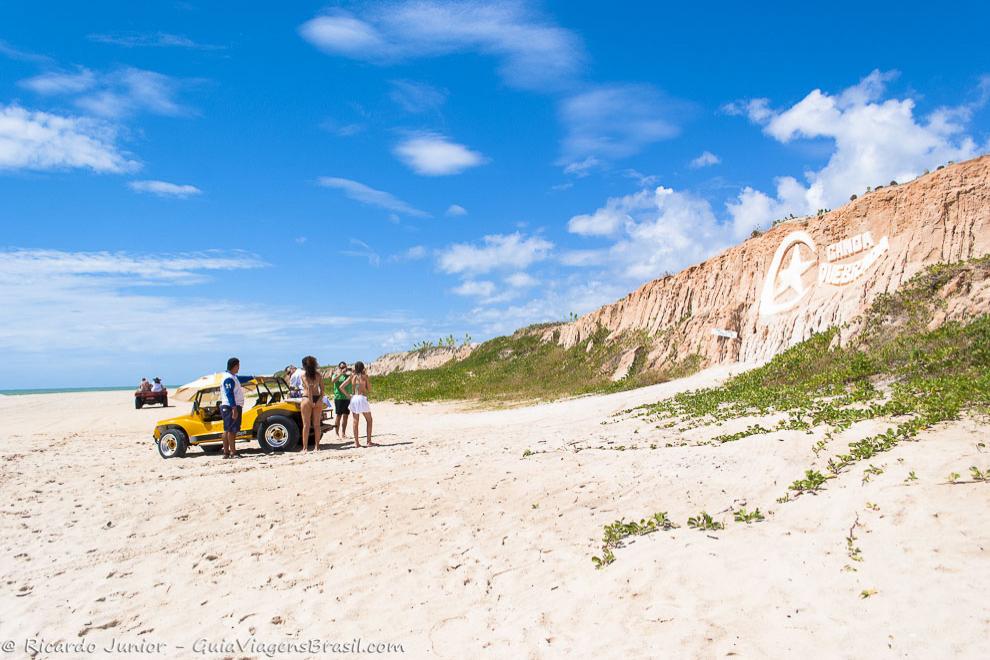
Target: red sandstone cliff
x=939, y=217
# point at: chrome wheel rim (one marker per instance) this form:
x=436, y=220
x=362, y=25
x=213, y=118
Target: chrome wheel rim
x=276, y=435
x=168, y=444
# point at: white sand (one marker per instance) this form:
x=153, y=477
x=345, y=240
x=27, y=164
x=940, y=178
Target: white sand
x=453, y=545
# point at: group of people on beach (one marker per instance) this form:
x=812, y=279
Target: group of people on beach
x=351, y=388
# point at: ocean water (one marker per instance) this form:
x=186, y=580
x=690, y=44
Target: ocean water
x=63, y=390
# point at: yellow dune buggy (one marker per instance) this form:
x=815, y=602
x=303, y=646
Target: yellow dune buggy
x=270, y=416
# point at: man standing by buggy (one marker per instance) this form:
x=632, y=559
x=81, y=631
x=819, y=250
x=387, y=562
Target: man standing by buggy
x=231, y=406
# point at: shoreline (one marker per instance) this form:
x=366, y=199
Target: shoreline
x=66, y=390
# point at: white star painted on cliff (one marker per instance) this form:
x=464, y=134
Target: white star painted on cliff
x=790, y=277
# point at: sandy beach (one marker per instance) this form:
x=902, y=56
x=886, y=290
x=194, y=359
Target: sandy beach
x=450, y=542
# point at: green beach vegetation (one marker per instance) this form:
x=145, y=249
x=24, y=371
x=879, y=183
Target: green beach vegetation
x=901, y=364
x=524, y=367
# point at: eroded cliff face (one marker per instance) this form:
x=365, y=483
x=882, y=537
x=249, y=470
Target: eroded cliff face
x=804, y=275
x=427, y=358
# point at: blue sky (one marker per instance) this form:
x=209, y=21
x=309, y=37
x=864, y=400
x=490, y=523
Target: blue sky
x=180, y=182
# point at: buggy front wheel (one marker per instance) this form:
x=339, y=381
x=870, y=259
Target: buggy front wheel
x=278, y=433
x=173, y=443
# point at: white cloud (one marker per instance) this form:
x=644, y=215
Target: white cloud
x=164, y=188
x=575, y=294
x=431, y=154
x=455, y=210
x=498, y=251
x=610, y=218
x=417, y=97
x=705, y=159
x=415, y=253
x=533, y=53
x=614, y=121
x=151, y=40
x=55, y=82
x=583, y=168
x=42, y=141
x=475, y=288
x=521, y=280
x=119, y=93
x=370, y=196
x=582, y=258
x=758, y=110
x=644, y=180
x=13, y=53
x=655, y=231
x=342, y=129
x=676, y=229
x=364, y=251
x=92, y=313
x=876, y=140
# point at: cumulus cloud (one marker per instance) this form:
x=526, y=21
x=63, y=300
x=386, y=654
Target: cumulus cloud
x=496, y=252
x=614, y=121
x=164, y=188
x=431, y=154
x=875, y=139
x=119, y=93
x=705, y=159
x=359, y=192
x=608, y=219
x=35, y=140
x=455, y=210
x=654, y=231
x=532, y=52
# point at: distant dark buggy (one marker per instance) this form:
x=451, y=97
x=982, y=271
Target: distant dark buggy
x=142, y=399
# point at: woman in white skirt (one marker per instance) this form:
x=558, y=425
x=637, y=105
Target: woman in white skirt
x=361, y=385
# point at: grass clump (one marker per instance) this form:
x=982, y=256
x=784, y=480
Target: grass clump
x=812, y=482
x=704, y=522
x=748, y=517
x=616, y=533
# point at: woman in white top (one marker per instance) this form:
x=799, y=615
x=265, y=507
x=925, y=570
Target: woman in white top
x=359, y=401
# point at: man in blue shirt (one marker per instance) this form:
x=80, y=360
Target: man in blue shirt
x=231, y=406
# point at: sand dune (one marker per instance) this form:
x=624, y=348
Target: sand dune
x=448, y=542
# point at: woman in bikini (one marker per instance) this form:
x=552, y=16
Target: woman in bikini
x=361, y=385
x=312, y=402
